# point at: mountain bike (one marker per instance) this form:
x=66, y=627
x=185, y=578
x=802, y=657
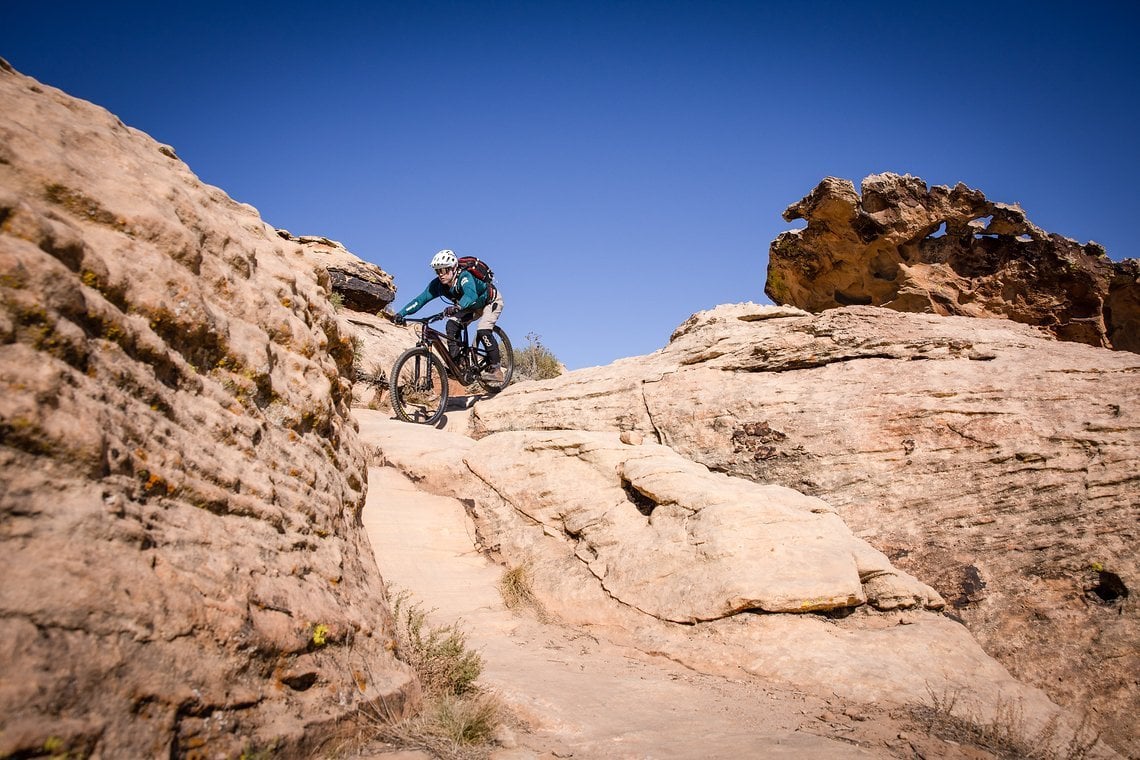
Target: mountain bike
x=419, y=379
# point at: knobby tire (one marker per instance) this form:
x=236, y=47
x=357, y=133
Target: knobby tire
x=419, y=387
x=506, y=361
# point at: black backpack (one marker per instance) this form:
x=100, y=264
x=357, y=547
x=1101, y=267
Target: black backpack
x=477, y=267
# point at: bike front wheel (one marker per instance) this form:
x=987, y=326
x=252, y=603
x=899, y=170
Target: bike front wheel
x=507, y=362
x=418, y=387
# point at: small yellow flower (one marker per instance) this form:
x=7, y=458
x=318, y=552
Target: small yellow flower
x=320, y=634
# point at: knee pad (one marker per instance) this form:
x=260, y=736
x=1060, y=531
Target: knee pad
x=486, y=339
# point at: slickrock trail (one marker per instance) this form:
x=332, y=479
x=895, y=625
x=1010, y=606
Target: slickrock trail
x=578, y=696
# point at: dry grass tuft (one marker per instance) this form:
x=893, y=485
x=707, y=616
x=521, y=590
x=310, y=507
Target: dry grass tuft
x=449, y=727
x=1005, y=737
x=518, y=592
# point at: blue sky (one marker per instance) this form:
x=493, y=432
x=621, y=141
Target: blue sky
x=621, y=165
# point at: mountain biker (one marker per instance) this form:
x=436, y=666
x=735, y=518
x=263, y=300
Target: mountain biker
x=472, y=297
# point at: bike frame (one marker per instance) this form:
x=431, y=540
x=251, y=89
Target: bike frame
x=437, y=341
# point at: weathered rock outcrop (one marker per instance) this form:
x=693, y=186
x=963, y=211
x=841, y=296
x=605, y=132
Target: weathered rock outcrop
x=948, y=251
x=184, y=569
x=361, y=286
x=1122, y=307
x=981, y=456
x=365, y=291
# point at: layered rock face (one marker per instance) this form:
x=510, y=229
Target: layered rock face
x=980, y=456
x=949, y=251
x=185, y=573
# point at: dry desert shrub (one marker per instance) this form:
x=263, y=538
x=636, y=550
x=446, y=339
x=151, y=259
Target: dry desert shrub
x=535, y=361
x=1006, y=737
x=439, y=654
x=458, y=721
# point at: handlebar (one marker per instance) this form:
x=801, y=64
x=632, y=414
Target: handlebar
x=436, y=317
x=426, y=320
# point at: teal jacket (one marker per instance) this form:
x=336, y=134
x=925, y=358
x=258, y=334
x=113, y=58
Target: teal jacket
x=468, y=292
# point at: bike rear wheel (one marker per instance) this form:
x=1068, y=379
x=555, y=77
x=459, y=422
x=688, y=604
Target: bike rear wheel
x=507, y=362
x=418, y=387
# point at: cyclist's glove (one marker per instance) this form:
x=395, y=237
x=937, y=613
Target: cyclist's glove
x=451, y=311
x=399, y=320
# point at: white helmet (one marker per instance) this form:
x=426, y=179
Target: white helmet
x=445, y=259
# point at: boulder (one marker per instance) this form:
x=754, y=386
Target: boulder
x=359, y=285
x=670, y=538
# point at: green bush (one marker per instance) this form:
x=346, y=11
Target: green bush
x=535, y=361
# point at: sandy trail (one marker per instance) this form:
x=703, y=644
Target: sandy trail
x=575, y=695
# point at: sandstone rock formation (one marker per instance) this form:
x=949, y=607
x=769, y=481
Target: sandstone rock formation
x=184, y=569
x=981, y=456
x=1122, y=307
x=675, y=541
x=911, y=248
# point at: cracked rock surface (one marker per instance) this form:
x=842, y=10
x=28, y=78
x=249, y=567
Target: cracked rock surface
x=569, y=508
